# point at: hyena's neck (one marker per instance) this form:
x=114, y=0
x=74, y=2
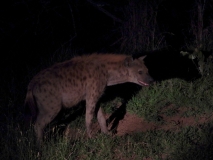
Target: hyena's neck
x=117, y=76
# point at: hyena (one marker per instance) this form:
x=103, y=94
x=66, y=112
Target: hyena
x=82, y=78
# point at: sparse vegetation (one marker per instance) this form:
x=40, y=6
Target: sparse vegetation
x=140, y=30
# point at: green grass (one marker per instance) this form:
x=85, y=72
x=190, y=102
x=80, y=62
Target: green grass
x=189, y=143
x=151, y=103
x=195, y=96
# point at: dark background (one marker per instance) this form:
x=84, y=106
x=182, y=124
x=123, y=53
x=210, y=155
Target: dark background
x=32, y=30
x=33, y=33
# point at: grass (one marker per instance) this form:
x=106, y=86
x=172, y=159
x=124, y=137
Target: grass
x=153, y=103
x=165, y=98
x=195, y=96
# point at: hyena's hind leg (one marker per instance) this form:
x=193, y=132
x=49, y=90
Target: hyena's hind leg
x=45, y=116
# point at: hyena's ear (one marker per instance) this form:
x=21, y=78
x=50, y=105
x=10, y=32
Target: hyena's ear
x=142, y=58
x=128, y=61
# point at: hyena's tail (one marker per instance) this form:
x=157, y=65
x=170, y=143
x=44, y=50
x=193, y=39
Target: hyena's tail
x=30, y=107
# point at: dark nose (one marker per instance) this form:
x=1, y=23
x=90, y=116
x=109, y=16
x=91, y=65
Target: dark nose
x=150, y=79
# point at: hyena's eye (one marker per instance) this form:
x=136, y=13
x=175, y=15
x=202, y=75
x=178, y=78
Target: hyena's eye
x=140, y=72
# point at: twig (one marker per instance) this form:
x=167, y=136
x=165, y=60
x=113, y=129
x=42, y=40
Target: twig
x=105, y=11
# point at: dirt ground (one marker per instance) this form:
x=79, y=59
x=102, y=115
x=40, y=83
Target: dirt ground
x=131, y=123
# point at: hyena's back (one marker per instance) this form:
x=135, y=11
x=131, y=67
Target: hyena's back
x=65, y=84
x=81, y=78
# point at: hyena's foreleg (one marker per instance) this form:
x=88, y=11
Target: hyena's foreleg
x=90, y=112
x=92, y=97
x=102, y=121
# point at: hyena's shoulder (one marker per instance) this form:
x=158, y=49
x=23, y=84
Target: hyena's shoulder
x=80, y=65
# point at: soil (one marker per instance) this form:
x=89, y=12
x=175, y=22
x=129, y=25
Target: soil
x=131, y=123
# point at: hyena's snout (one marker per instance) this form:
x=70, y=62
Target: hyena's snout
x=146, y=80
x=149, y=79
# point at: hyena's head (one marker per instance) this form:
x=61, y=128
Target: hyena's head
x=138, y=72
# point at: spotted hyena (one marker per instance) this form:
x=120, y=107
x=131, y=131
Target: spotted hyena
x=81, y=78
